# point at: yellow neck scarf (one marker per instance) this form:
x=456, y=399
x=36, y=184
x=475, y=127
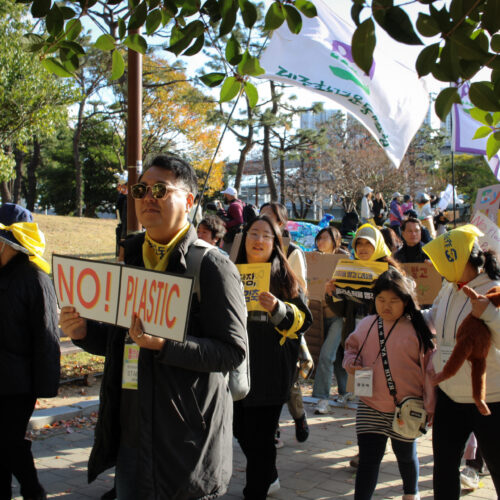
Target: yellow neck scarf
x=450, y=252
x=32, y=239
x=375, y=237
x=156, y=255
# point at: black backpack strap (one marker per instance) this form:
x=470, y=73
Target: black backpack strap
x=194, y=257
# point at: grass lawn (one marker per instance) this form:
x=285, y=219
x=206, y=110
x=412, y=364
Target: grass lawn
x=78, y=237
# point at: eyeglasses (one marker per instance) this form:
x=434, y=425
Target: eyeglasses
x=159, y=190
x=254, y=235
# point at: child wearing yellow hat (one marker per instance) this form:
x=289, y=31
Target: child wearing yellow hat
x=459, y=259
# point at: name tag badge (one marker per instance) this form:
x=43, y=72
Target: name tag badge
x=130, y=366
x=363, y=382
x=445, y=353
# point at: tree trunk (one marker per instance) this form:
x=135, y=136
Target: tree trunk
x=245, y=150
x=31, y=175
x=76, y=160
x=5, y=191
x=266, y=150
x=282, y=175
x=19, y=156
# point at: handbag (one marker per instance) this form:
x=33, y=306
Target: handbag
x=409, y=416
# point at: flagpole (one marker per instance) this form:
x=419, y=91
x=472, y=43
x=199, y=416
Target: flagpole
x=453, y=184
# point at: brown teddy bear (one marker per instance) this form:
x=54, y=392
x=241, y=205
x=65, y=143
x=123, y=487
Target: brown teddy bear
x=472, y=344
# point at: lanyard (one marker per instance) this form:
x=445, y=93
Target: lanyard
x=385, y=360
x=458, y=315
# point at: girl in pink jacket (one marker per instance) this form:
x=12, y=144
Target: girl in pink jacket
x=408, y=342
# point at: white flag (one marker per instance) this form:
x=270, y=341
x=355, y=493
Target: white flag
x=391, y=102
x=463, y=129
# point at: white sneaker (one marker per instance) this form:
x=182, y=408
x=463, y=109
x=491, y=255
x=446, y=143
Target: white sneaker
x=274, y=487
x=322, y=407
x=469, y=478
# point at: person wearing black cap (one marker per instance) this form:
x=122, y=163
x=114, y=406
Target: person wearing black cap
x=29, y=340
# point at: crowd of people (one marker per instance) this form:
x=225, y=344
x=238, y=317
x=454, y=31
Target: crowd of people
x=168, y=425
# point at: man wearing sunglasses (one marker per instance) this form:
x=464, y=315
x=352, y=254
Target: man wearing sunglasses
x=171, y=435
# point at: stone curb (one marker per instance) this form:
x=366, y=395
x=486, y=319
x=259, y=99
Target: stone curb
x=40, y=418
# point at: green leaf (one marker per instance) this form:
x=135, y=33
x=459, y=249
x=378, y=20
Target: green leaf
x=132, y=3
x=165, y=17
x=446, y=98
x=492, y=145
x=54, y=20
x=293, y=19
x=73, y=29
x=213, y=79
x=153, y=4
x=136, y=42
x=153, y=21
x=397, y=24
x=491, y=16
x=181, y=38
x=40, y=8
x=105, y=42
x=275, y=17
x=73, y=46
x=233, y=51
x=249, y=65
x=229, y=89
x=196, y=47
x=117, y=65
x=248, y=13
x=67, y=12
x=468, y=48
x=72, y=63
x=228, y=20
x=482, y=132
x=496, y=118
x=495, y=43
x=427, y=25
x=468, y=68
x=482, y=96
x=54, y=66
x=307, y=8
x=427, y=59
x=356, y=10
x=189, y=7
x=170, y=6
x=122, y=29
x=363, y=44
x=138, y=17
x=481, y=116
x=449, y=61
x=252, y=94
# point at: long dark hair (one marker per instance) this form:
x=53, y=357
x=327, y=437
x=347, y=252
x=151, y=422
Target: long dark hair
x=487, y=260
x=284, y=282
x=334, y=235
x=394, y=281
x=279, y=211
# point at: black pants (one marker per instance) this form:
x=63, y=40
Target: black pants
x=254, y=428
x=16, y=457
x=453, y=423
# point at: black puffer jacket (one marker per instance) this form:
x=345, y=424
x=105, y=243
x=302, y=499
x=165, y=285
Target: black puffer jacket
x=185, y=421
x=29, y=336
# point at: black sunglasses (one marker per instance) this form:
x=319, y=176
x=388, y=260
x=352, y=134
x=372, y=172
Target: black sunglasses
x=159, y=190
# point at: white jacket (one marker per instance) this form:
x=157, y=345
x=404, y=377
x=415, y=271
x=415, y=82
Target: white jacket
x=366, y=208
x=448, y=311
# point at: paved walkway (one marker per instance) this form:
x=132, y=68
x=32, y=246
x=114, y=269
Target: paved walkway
x=317, y=469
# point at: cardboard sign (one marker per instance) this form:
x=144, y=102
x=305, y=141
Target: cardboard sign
x=111, y=293
x=355, y=278
x=488, y=201
x=320, y=267
x=426, y=277
x=491, y=238
x=255, y=278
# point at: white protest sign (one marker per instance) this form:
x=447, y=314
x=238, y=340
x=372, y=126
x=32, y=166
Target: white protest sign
x=161, y=301
x=111, y=293
x=90, y=286
x=491, y=238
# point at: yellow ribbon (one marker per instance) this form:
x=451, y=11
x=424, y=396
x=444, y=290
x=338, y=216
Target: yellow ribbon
x=450, y=251
x=29, y=236
x=298, y=320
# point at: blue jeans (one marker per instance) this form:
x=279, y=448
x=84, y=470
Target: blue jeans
x=329, y=361
x=126, y=476
x=371, y=453
x=453, y=423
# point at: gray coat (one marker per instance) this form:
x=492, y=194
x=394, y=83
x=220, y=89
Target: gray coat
x=185, y=420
